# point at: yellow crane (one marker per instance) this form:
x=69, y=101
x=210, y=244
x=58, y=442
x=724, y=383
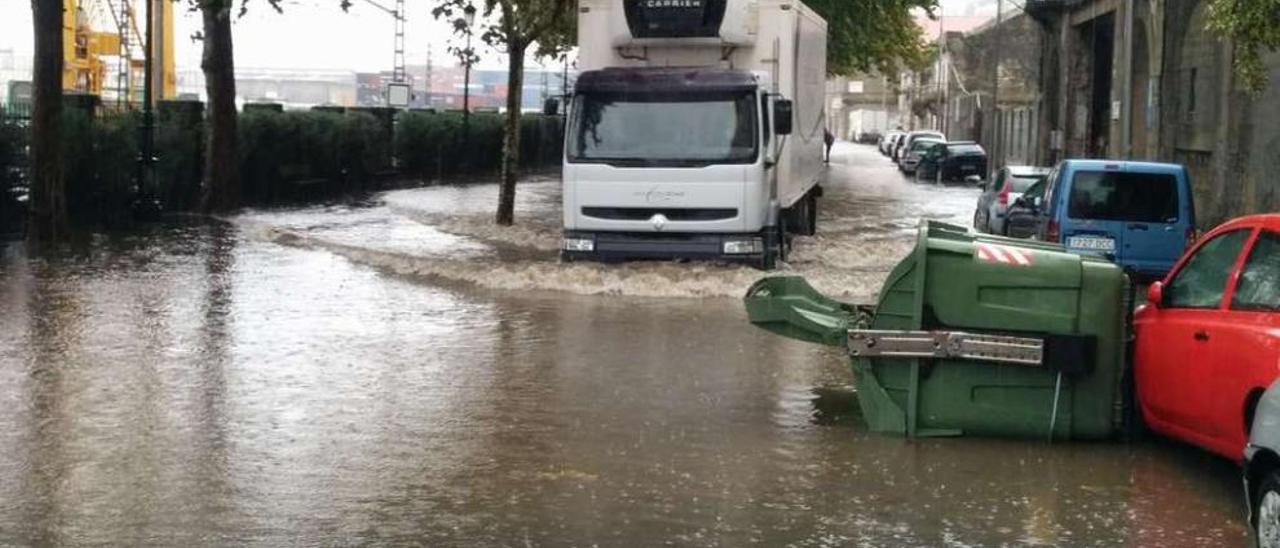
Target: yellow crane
x=105, y=51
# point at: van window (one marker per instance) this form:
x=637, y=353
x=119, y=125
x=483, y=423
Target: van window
x=1201, y=283
x=1259, y=285
x=1119, y=196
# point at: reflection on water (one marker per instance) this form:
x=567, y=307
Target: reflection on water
x=203, y=385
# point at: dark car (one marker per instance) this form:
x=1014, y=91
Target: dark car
x=1022, y=219
x=953, y=161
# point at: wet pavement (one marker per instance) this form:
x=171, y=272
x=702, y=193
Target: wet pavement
x=400, y=372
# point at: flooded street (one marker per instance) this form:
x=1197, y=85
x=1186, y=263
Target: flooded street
x=402, y=372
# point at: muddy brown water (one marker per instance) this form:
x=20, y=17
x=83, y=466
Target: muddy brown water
x=399, y=372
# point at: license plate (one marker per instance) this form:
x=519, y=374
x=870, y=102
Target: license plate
x=968, y=168
x=1091, y=243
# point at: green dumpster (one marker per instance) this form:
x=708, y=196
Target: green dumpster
x=973, y=334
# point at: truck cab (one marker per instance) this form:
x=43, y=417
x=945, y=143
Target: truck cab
x=680, y=140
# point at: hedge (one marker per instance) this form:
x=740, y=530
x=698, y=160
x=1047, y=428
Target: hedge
x=434, y=146
x=282, y=156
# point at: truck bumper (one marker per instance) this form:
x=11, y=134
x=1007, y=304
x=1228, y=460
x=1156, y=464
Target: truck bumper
x=603, y=246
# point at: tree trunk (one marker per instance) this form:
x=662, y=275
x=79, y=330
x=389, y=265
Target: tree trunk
x=511, y=141
x=221, y=172
x=48, y=213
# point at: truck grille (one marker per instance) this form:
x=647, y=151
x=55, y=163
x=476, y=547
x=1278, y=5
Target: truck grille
x=672, y=214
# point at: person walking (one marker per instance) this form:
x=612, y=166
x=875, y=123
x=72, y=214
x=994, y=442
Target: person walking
x=830, y=140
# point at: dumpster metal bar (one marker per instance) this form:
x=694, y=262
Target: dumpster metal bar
x=946, y=344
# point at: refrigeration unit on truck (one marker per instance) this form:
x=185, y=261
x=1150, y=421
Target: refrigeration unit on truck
x=695, y=129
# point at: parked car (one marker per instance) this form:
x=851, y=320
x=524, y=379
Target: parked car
x=1208, y=340
x=1006, y=187
x=1139, y=214
x=889, y=141
x=1022, y=220
x=1262, y=470
x=912, y=157
x=953, y=161
x=905, y=142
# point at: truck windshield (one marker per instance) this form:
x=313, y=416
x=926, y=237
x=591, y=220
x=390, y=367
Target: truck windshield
x=658, y=129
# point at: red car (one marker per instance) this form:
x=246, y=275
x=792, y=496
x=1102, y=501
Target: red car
x=1208, y=339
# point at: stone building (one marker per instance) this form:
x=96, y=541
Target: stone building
x=1145, y=79
x=860, y=105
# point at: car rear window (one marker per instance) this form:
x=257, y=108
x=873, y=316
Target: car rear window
x=1119, y=196
x=1021, y=184
x=922, y=144
x=965, y=149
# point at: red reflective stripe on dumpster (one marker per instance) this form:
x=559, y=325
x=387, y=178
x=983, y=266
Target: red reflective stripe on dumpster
x=1003, y=254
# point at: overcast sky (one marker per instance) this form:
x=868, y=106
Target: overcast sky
x=317, y=34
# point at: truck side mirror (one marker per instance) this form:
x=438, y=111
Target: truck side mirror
x=782, y=117
x=551, y=107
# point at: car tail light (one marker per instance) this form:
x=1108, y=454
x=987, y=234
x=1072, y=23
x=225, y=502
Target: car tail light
x=1053, y=233
x=1192, y=236
x=1003, y=197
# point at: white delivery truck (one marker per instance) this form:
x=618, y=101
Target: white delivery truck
x=695, y=129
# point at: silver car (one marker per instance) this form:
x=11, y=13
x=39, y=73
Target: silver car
x=1262, y=469
x=887, y=142
x=905, y=142
x=1001, y=192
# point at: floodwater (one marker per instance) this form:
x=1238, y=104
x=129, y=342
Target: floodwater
x=400, y=372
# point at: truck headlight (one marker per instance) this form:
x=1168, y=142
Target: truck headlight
x=578, y=244
x=745, y=246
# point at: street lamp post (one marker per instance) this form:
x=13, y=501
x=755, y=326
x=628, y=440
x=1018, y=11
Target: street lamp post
x=146, y=154
x=468, y=18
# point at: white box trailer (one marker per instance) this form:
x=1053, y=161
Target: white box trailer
x=696, y=129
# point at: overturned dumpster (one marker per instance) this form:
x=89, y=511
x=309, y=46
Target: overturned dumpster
x=973, y=335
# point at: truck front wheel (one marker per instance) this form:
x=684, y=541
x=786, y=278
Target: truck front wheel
x=812, y=210
x=775, y=246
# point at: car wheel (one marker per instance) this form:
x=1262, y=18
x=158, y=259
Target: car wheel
x=1266, y=522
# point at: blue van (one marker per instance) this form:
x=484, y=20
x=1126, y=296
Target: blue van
x=1138, y=214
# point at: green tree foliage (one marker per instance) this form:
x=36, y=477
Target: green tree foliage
x=515, y=27
x=1253, y=26
x=865, y=35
